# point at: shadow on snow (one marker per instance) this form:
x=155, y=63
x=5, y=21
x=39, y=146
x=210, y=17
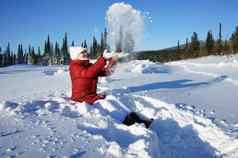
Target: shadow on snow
x=168, y=85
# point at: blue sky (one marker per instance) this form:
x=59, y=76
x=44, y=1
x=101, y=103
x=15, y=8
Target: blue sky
x=30, y=21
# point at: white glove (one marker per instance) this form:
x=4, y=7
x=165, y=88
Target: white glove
x=114, y=55
x=108, y=55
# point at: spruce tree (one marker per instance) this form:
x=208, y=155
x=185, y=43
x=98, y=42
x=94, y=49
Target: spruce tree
x=51, y=54
x=85, y=44
x=25, y=57
x=219, y=42
x=18, y=54
x=7, y=58
x=57, y=53
x=31, y=56
x=38, y=56
x=48, y=51
x=195, y=45
x=178, y=46
x=11, y=59
x=21, y=52
x=64, y=50
x=14, y=59
x=39, y=52
x=4, y=59
x=226, y=47
x=29, y=59
x=45, y=50
x=187, y=45
x=72, y=43
x=93, y=48
x=234, y=40
x=48, y=46
x=178, y=53
x=103, y=41
x=209, y=43
x=20, y=59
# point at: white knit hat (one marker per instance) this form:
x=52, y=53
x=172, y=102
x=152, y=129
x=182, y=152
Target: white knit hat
x=75, y=52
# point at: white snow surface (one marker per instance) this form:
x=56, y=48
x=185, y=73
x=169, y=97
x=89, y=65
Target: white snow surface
x=193, y=104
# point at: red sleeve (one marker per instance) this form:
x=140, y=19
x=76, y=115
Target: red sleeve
x=103, y=72
x=90, y=72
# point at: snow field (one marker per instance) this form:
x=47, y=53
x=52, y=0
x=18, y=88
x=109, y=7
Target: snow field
x=38, y=119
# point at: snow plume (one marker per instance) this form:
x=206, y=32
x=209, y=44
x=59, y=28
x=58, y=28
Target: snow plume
x=125, y=26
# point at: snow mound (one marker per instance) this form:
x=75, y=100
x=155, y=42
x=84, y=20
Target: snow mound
x=99, y=126
x=184, y=127
x=147, y=67
x=60, y=71
x=212, y=66
x=54, y=71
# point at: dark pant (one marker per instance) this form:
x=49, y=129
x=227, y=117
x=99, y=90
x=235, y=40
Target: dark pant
x=133, y=117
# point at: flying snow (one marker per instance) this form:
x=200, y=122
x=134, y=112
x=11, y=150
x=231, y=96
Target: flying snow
x=126, y=27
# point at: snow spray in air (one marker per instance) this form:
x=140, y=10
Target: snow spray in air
x=125, y=27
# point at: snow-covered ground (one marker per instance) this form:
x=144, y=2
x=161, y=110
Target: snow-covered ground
x=193, y=104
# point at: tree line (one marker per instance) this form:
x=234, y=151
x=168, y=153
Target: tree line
x=195, y=48
x=52, y=53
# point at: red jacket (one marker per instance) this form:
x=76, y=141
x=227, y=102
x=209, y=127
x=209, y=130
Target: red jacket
x=84, y=76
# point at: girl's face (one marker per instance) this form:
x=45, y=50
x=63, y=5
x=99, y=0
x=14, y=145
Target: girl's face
x=83, y=56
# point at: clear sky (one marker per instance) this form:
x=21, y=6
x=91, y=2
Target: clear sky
x=30, y=21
